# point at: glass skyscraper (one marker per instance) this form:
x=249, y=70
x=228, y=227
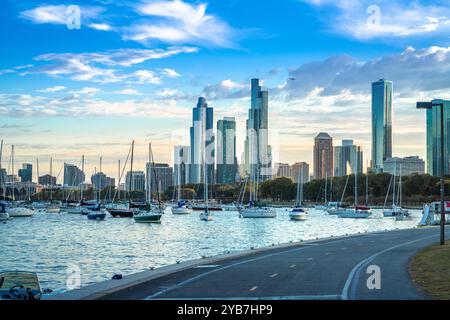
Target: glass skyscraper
x=227, y=167
x=434, y=138
x=348, y=159
x=202, y=142
x=381, y=123
x=258, y=157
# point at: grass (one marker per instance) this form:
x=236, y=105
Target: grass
x=430, y=270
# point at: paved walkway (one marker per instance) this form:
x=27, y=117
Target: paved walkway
x=328, y=269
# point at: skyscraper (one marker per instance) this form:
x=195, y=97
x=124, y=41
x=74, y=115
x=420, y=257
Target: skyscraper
x=137, y=181
x=296, y=170
x=258, y=157
x=181, y=160
x=100, y=181
x=227, y=167
x=348, y=159
x=73, y=176
x=381, y=123
x=434, y=138
x=323, y=156
x=161, y=178
x=202, y=142
x=26, y=173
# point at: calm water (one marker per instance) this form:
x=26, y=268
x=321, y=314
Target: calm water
x=49, y=243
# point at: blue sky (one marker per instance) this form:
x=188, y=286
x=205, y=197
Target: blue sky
x=135, y=68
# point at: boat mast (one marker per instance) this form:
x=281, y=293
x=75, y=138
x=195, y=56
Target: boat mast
x=13, y=176
x=149, y=175
x=393, y=188
x=326, y=186
x=205, y=173
x=37, y=173
x=400, y=188
x=118, y=181
x=131, y=172
x=156, y=178
x=81, y=183
x=356, y=186
x=51, y=186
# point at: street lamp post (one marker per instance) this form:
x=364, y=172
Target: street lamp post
x=430, y=105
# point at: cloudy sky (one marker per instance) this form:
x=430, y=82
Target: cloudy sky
x=134, y=69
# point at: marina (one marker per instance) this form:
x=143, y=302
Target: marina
x=51, y=244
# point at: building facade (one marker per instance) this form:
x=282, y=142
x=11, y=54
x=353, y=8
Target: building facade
x=433, y=124
x=282, y=170
x=202, y=142
x=258, y=157
x=101, y=181
x=73, y=176
x=404, y=166
x=47, y=180
x=323, y=156
x=296, y=172
x=136, y=181
x=181, y=160
x=348, y=159
x=159, y=177
x=26, y=173
x=227, y=166
x=381, y=123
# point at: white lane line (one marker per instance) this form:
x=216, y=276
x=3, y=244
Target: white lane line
x=310, y=259
x=318, y=297
x=274, y=275
x=293, y=266
x=206, y=266
x=254, y=288
x=264, y=256
x=327, y=253
x=357, y=269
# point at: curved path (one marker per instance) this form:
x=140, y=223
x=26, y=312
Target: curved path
x=326, y=269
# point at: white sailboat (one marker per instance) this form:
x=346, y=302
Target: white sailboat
x=396, y=210
x=17, y=211
x=148, y=213
x=357, y=212
x=299, y=213
x=181, y=207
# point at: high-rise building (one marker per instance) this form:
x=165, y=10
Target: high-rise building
x=296, y=172
x=348, y=159
x=2, y=177
x=434, y=138
x=73, y=176
x=258, y=155
x=137, y=181
x=323, y=156
x=47, y=180
x=162, y=173
x=404, y=166
x=227, y=166
x=381, y=123
x=282, y=170
x=202, y=142
x=101, y=181
x=26, y=173
x=181, y=160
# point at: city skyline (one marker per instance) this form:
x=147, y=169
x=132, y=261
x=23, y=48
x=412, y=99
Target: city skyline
x=67, y=92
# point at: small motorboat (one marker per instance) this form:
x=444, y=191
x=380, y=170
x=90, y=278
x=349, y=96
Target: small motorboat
x=20, y=212
x=96, y=214
x=358, y=212
x=53, y=208
x=298, y=214
x=18, y=285
x=181, y=208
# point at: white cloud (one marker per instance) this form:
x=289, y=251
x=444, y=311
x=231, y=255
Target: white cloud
x=105, y=67
x=128, y=91
x=59, y=14
x=179, y=22
x=53, y=89
x=87, y=91
x=100, y=26
x=398, y=18
x=170, y=73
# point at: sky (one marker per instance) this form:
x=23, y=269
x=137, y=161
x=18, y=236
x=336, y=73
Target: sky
x=87, y=77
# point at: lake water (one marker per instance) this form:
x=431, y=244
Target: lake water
x=50, y=243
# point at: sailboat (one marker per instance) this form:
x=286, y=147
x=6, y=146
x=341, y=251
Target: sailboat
x=52, y=207
x=17, y=211
x=181, y=207
x=357, y=212
x=322, y=207
x=253, y=209
x=148, y=213
x=396, y=210
x=3, y=214
x=299, y=213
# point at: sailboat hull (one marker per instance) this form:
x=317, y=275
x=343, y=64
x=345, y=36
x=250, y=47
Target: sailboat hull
x=258, y=213
x=120, y=213
x=148, y=217
x=20, y=212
